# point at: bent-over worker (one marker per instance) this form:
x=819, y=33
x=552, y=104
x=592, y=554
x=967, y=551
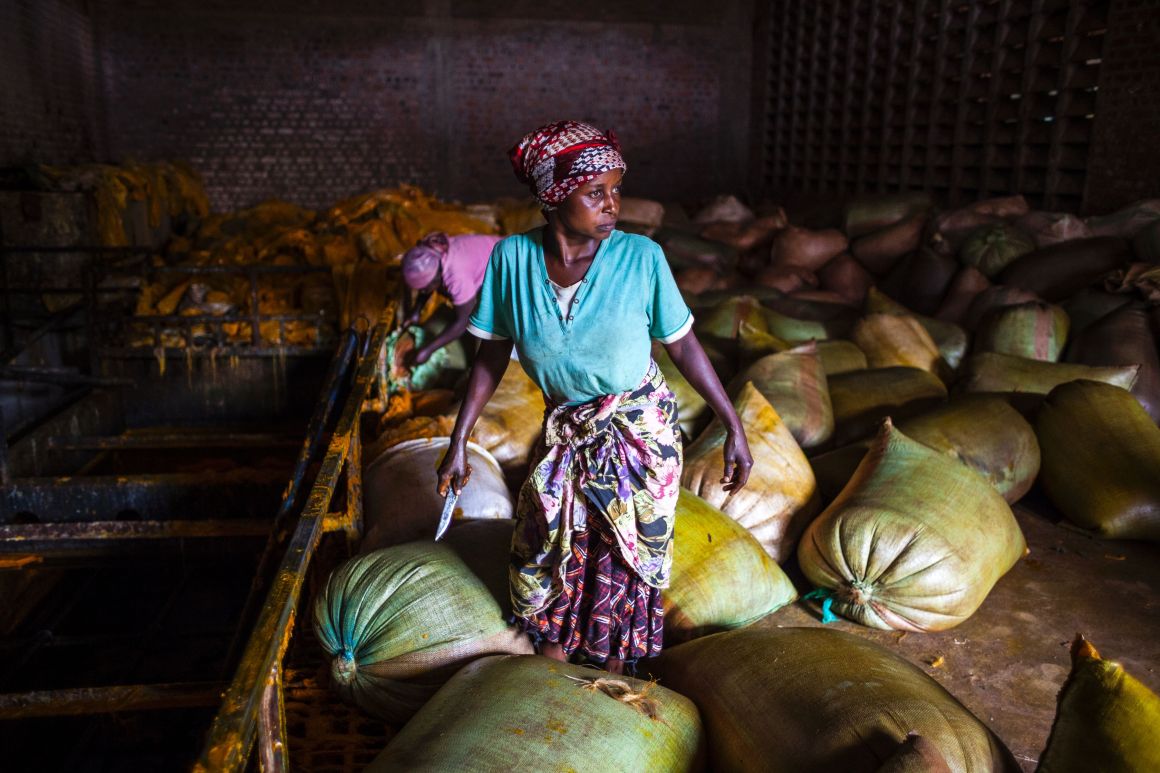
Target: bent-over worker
x=453, y=266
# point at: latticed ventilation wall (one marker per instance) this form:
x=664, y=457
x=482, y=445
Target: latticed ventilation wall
x=962, y=99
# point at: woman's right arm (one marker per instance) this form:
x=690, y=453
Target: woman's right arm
x=491, y=361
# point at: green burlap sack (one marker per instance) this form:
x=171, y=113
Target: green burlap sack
x=992, y=248
x=1106, y=720
x=400, y=621
x=1101, y=459
x=950, y=339
x=780, y=497
x=691, y=407
x=862, y=398
x=535, y=714
x=915, y=541
x=841, y=357
x=794, y=383
x=721, y=578
x=1035, y=330
x=992, y=372
x=801, y=700
x=982, y=431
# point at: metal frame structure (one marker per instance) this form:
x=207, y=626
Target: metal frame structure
x=252, y=714
x=31, y=544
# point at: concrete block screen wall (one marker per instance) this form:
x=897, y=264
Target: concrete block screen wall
x=313, y=101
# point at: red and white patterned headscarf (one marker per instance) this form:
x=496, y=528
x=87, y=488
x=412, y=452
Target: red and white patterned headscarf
x=556, y=159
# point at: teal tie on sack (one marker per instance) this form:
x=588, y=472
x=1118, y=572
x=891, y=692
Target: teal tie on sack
x=826, y=596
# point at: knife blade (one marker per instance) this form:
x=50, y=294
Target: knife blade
x=448, y=510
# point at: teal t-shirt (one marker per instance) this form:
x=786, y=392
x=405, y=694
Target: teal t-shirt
x=602, y=345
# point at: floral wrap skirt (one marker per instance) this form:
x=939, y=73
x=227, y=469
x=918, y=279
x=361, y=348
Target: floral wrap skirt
x=592, y=547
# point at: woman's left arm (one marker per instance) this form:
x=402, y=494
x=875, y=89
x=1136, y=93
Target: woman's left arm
x=690, y=358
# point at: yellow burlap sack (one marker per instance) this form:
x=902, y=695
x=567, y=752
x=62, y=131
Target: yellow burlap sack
x=781, y=496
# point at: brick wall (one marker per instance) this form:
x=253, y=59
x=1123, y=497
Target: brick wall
x=49, y=84
x=1124, y=164
x=311, y=101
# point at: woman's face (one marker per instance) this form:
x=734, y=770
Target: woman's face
x=591, y=210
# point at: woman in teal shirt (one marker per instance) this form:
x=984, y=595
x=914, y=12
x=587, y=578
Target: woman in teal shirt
x=581, y=302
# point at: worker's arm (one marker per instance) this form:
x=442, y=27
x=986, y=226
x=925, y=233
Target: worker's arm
x=457, y=328
x=491, y=361
x=690, y=358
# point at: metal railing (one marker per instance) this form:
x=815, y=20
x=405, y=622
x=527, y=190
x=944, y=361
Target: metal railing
x=252, y=713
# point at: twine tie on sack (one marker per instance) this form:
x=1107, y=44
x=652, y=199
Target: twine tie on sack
x=620, y=690
x=344, y=667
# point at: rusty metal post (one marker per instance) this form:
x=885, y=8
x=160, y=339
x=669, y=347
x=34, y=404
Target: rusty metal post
x=354, y=489
x=345, y=354
x=272, y=752
x=234, y=731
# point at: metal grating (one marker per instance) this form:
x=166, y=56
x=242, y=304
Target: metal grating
x=961, y=99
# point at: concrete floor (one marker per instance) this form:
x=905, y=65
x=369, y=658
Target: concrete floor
x=1008, y=661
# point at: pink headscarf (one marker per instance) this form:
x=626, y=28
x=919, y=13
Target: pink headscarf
x=556, y=159
x=421, y=262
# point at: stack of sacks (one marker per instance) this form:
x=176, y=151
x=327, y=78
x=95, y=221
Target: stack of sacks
x=915, y=541
x=361, y=241
x=815, y=699
x=170, y=192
